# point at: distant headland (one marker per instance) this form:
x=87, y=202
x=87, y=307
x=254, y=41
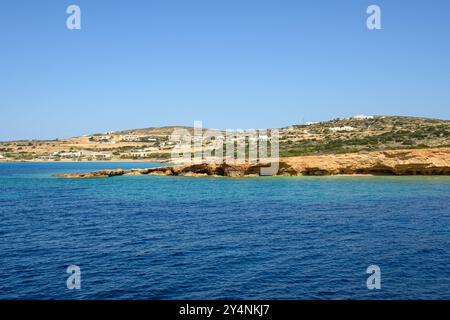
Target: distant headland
x=387, y=145
x=342, y=135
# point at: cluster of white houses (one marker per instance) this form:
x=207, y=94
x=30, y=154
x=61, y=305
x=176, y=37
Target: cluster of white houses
x=78, y=154
x=107, y=138
x=146, y=152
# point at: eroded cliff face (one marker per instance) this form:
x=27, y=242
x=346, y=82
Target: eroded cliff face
x=393, y=162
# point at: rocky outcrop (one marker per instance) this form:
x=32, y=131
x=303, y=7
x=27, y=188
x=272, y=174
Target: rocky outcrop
x=94, y=174
x=393, y=162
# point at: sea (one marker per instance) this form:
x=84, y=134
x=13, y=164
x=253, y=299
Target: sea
x=157, y=237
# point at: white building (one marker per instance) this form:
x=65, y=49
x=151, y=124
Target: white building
x=361, y=117
x=343, y=128
x=130, y=138
x=140, y=154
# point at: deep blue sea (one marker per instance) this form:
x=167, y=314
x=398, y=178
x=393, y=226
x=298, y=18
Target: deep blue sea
x=149, y=237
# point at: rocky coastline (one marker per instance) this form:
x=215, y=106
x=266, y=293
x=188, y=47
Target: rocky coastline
x=392, y=162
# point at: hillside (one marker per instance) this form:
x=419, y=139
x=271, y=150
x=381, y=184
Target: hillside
x=359, y=133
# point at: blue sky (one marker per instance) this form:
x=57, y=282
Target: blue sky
x=231, y=64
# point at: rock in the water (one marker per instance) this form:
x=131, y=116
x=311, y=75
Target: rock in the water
x=94, y=174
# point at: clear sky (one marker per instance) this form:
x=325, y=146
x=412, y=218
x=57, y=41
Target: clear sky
x=229, y=63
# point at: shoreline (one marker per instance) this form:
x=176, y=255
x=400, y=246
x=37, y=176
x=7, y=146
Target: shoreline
x=84, y=161
x=385, y=163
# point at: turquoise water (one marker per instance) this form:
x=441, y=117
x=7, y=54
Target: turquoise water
x=144, y=237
